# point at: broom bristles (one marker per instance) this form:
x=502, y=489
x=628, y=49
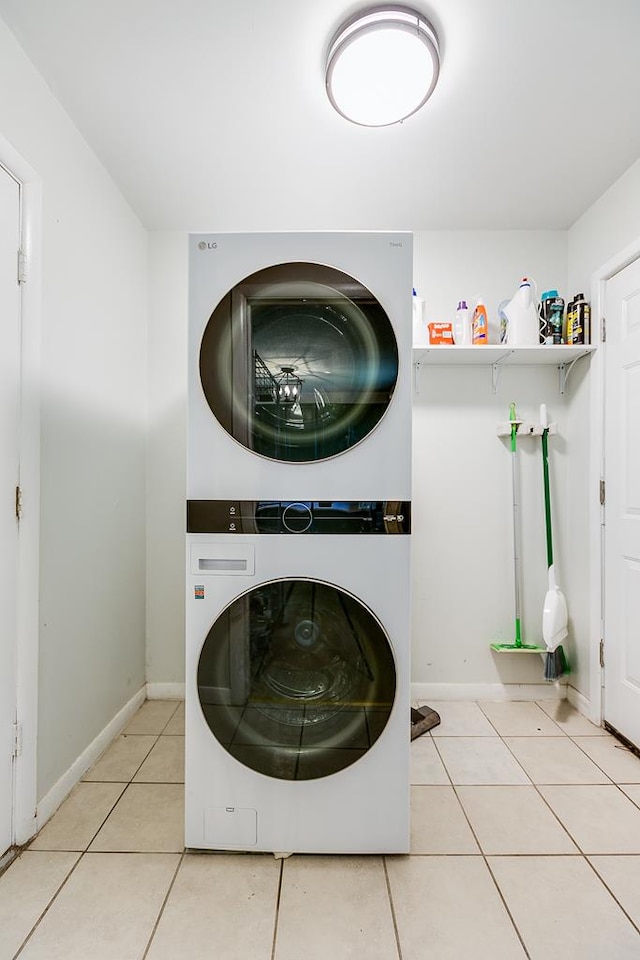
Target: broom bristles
x=555, y=665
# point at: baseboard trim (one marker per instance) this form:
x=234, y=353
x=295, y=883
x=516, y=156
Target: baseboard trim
x=61, y=790
x=488, y=691
x=583, y=705
x=165, y=691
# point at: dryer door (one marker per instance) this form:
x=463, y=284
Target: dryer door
x=296, y=679
x=299, y=362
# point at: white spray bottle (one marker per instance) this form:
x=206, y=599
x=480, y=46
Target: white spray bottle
x=462, y=326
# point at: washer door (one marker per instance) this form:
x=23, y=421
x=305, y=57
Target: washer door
x=299, y=362
x=296, y=679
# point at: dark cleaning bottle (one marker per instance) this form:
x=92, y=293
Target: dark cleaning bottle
x=578, y=320
x=556, y=316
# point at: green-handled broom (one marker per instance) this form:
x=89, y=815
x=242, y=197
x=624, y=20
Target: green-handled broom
x=554, y=614
x=517, y=646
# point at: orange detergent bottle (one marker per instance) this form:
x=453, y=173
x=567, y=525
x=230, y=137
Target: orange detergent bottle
x=480, y=325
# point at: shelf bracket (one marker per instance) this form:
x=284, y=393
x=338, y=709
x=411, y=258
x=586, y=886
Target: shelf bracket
x=565, y=369
x=563, y=373
x=416, y=377
x=496, y=370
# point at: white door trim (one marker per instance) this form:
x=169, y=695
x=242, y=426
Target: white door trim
x=25, y=770
x=596, y=468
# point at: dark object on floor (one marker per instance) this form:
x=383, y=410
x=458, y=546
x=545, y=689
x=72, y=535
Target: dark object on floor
x=423, y=719
x=555, y=664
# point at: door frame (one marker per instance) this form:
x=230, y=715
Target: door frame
x=27, y=635
x=599, y=279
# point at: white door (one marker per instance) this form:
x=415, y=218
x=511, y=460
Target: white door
x=622, y=504
x=9, y=389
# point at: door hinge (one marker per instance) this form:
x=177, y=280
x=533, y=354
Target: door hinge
x=17, y=739
x=603, y=330
x=22, y=266
x=603, y=493
x=602, y=653
x=18, y=503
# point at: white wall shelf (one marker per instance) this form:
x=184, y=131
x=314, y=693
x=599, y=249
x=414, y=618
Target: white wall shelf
x=563, y=356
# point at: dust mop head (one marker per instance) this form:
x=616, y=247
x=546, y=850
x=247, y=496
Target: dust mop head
x=423, y=719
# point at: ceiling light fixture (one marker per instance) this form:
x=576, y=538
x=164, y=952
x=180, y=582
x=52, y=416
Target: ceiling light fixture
x=382, y=65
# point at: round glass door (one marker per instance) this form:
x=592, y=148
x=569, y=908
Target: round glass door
x=296, y=679
x=299, y=362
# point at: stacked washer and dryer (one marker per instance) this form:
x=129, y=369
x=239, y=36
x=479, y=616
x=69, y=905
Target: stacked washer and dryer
x=298, y=547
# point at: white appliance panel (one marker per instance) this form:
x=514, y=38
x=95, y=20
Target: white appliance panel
x=362, y=808
x=379, y=465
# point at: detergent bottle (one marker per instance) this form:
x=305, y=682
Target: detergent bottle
x=523, y=324
x=462, y=325
x=480, y=324
x=578, y=320
x=419, y=329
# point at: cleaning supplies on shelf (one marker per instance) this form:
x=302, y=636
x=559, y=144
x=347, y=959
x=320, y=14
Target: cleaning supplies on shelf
x=556, y=320
x=523, y=324
x=578, y=320
x=440, y=333
x=480, y=324
x=419, y=329
x=502, y=320
x=462, y=326
x=544, y=312
x=517, y=646
x=554, y=614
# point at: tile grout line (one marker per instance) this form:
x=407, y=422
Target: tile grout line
x=128, y=783
x=441, y=759
x=143, y=761
x=137, y=770
x=277, y=910
x=535, y=703
x=635, y=925
x=394, y=919
x=564, y=827
x=479, y=845
x=506, y=907
x=481, y=851
x=171, y=717
x=582, y=854
x=125, y=784
x=85, y=851
x=573, y=740
x=536, y=787
x=122, y=783
x=490, y=871
x=51, y=901
x=163, y=904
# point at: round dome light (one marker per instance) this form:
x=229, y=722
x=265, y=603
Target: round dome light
x=382, y=66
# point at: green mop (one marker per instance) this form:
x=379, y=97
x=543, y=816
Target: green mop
x=517, y=646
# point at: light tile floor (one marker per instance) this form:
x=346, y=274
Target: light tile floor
x=525, y=843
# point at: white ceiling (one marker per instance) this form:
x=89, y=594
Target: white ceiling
x=213, y=115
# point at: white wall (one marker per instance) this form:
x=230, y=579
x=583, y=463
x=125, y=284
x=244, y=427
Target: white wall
x=94, y=268
x=463, y=582
x=606, y=228
x=602, y=233
x=167, y=452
